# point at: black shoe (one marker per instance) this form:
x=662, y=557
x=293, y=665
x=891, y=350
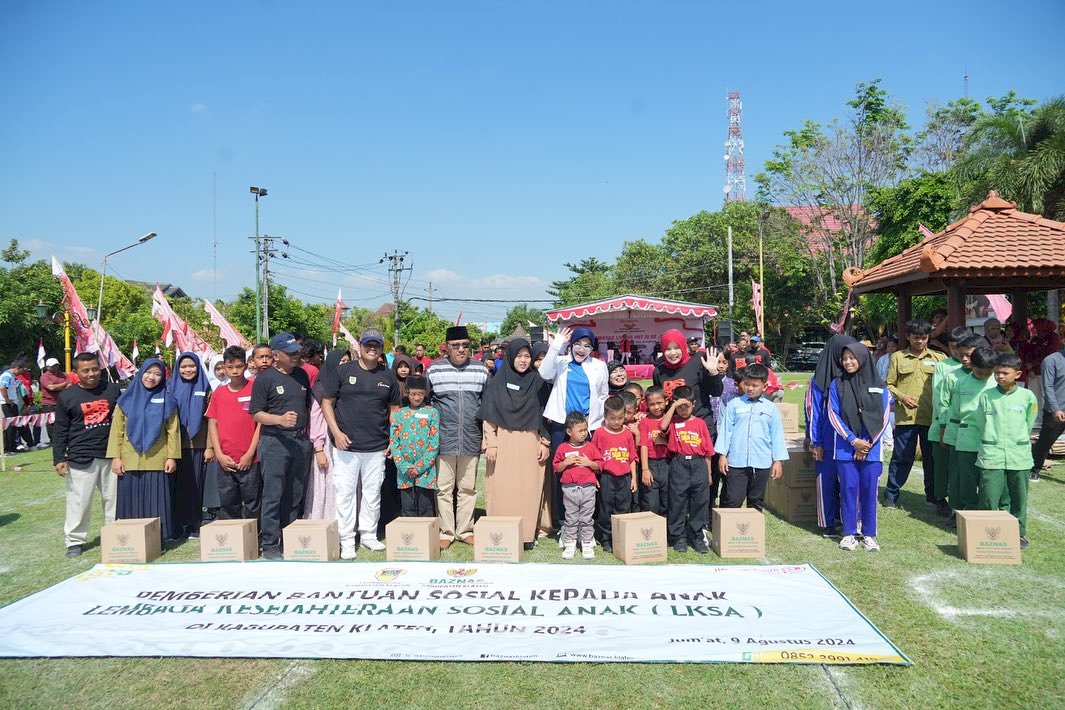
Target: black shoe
x=75, y=550
x=680, y=546
x=888, y=503
x=529, y=546
x=1034, y=477
x=607, y=547
x=194, y=534
x=700, y=547
x=943, y=510
x=830, y=533
x=952, y=521
x=272, y=553
x=1024, y=543
x=931, y=500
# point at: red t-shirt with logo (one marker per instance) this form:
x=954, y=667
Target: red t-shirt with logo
x=616, y=451
x=236, y=428
x=690, y=437
x=654, y=450
x=574, y=474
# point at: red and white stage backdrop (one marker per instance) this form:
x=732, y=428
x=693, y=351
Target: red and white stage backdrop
x=638, y=319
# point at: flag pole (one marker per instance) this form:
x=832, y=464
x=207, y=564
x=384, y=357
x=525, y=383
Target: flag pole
x=761, y=278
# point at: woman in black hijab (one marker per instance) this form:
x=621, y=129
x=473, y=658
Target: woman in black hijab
x=516, y=444
x=819, y=432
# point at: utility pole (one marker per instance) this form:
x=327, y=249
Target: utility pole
x=258, y=192
x=267, y=252
x=430, y=290
x=395, y=268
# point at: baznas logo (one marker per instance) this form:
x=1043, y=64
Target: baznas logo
x=467, y=572
x=646, y=533
x=122, y=538
x=221, y=538
x=743, y=527
x=992, y=533
x=806, y=497
x=497, y=537
x=390, y=574
x=305, y=541
x=408, y=538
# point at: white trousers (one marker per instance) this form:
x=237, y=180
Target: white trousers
x=349, y=468
x=82, y=482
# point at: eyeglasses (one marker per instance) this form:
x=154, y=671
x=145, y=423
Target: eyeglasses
x=582, y=346
x=459, y=346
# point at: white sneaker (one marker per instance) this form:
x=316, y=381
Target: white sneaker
x=569, y=551
x=588, y=551
x=848, y=543
x=372, y=543
x=870, y=544
x=348, y=552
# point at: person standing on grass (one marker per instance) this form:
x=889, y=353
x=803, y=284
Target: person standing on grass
x=359, y=400
x=53, y=382
x=234, y=436
x=942, y=383
x=144, y=447
x=859, y=406
x=456, y=384
x=691, y=450
x=192, y=391
x=79, y=448
x=909, y=381
x=319, y=498
x=1004, y=420
x=11, y=391
x=819, y=432
x=964, y=400
x=281, y=403
x=1053, y=423
x=415, y=440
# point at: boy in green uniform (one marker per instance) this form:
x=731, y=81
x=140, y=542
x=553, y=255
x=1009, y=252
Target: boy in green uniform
x=963, y=405
x=1004, y=419
x=941, y=377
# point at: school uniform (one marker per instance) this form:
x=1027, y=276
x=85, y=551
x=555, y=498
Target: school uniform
x=189, y=482
x=819, y=430
x=239, y=492
x=1004, y=422
x=858, y=479
x=910, y=375
x=689, y=445
x=963, y=405
x=617, y=458
x=655, y=497
x=751, y=435
x=577, y=484
x=944, y=376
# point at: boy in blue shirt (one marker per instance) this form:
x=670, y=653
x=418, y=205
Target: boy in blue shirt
x=750, y=439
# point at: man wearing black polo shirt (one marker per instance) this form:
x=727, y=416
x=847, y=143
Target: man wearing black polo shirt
x=358, y=400
x=280, y=402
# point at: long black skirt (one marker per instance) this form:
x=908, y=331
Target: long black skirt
x=145, y=494
x=188, y=490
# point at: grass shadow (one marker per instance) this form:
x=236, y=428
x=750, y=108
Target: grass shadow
x=8, y=518
x=951, y=550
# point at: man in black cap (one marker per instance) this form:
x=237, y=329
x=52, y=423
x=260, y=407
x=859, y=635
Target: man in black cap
x=281, y=403
x=693, y=345
x=455, y=385
x=358, y=398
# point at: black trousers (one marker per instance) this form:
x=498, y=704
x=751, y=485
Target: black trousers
x=188, y=490
x=44, y=409
x=284, y=463
x=417, y=502
x=689, y=498
x=240, y=493
x=391, y=505
x=615, y=496
x=655, y=497
x=11, y=433
x=1049, y=432
x=745, y=483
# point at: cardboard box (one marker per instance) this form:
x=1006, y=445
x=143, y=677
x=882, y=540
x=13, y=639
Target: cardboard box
x=738, y=532
x=412, y=539
x=789, y=414
x=229, y=541
x=795, y=504
x=989, y=537
x=799, y=470
x=312, y=540
x=497, y=539
x=639, y=538
x=137, y=541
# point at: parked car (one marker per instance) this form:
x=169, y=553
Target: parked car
x=804, y=357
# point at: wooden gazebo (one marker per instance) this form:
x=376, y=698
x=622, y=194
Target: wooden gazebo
x=993, y=249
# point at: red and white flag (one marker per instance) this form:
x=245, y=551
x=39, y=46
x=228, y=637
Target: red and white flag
x=1002, y=308
x=40, y=355
x=838, y=326
x=176, y=329
x=925, y=231
x=226, y=329
x=79, y=318
x=136, y=351
x=756, y=301
x=110, y=353
x=158, y=352
x=352, y=342
x=336, y=316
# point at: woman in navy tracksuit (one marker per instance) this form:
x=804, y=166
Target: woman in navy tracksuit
x=819, y=432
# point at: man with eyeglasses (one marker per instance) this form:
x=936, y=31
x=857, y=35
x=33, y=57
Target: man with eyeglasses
x=358, y=400
x=455, y=387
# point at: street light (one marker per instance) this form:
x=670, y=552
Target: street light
x=258, y=192
x=103, y=272
x=42, y=313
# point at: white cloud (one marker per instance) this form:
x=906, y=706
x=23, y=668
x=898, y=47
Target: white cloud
x=443, y=276
x=506, y=281
x=199, y=108
x=39, y=249
x=204, y=275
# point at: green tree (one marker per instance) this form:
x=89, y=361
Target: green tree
x=22, y=286
x=941, y=141
x=521, y=314
x=591, y=280
x=287, y=315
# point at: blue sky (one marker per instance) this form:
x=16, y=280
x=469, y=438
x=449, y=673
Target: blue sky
x=493, y=140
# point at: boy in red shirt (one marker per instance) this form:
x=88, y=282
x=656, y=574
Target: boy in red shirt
x=576, y=463
x=617, y=465
x=654, y=458
x=692, y=449
x=234, y=436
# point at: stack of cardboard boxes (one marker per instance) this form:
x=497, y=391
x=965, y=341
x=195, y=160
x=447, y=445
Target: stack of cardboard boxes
x=793, y=497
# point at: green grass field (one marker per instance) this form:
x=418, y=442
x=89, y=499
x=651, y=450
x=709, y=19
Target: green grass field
x=978, y=636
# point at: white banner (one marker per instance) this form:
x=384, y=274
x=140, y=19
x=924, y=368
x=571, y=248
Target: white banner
x=448, y=612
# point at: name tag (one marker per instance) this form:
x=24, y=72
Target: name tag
x=158, y=400
x=571, y=453
x=876, y=390
x=928, y=362
x=244, y=399
x=1016, y=409
x=512, y=386
x=419, y=415
x=680, y=426
x=199, y=394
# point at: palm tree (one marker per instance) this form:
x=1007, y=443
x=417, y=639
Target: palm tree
x=1020, y=154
